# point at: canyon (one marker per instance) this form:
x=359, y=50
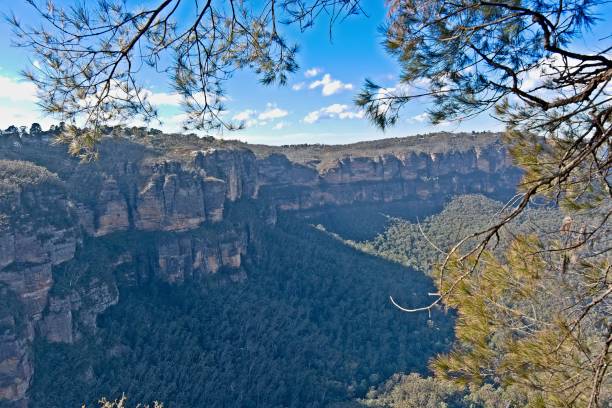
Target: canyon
x=178, y=203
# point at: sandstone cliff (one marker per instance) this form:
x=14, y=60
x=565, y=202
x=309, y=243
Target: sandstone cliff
x=158, y=208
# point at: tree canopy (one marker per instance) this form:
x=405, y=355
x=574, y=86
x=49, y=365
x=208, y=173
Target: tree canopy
x=92, y=55
x=537, y=314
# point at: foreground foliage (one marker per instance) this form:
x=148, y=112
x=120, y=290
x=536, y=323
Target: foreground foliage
x=121, y=403
x=522, y=323
x=520, y=59
x=92, y=56
x=414, y=391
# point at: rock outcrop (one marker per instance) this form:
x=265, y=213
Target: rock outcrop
x=38, y=230
x=72, y=234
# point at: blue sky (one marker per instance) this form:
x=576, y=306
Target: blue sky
x=315, y=107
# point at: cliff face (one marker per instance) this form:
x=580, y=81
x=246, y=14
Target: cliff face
x=388, y=177
x=38, y=231
x=71, y=234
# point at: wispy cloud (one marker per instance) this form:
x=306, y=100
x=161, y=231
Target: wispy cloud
x=420, y=118
x=17, y=104
x=163, y=98
x=385, y=96
x=329, y=86
x=244, y=115
x=335, y=111
x=174, y=99
x=299, y=86
x=22, y=116
x=280, y=125
x=312, y=72
x=272, y=112
x=251, y=117
x=14, y=90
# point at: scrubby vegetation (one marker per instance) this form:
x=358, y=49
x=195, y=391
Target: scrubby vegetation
x=420, y=243
x=23, y=186
x=14, y=173
x=123, y=403
x=415, y=391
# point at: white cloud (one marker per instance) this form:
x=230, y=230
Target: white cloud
x=13, y=90
x=251, y=118
x=174, y=99
x=162, y=98
x=247, y=117
x=330, y=86
x=280, y=125
x=544, y=69
x=23, y=116
x=421, y=83
x=17, y=107
x=385, y=96
x=173, y=123
x=17, y=104
x=298, y=87
x=244, y=115
x=272, y=113
x=335, y=111
x=312, y=117
x=420, y=118
x=312, y=72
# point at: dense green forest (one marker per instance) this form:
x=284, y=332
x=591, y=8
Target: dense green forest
x=418, y=243
x=310, y=327
x=364, y=222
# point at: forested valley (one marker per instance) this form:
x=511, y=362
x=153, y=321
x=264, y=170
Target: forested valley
x=311, y=326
